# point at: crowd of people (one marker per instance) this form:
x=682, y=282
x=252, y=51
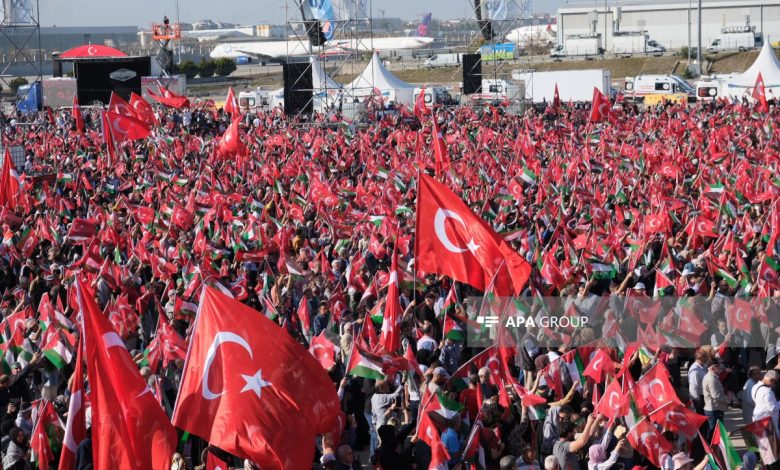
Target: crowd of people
x=305, y=224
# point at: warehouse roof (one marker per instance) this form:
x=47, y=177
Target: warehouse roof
x=644, y=5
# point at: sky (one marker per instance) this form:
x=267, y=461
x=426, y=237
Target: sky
x=144, y=12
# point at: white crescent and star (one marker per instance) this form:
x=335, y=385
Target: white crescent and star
x=91, y=50
x=656, y=382
x=438, y=225
x=254, y=382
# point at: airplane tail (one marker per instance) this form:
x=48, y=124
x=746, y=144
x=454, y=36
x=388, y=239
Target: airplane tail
x=422, y=28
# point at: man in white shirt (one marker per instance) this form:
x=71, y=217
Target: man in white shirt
x=696, y=374
x=754, y=376
x=764, y=397
x=427, y=341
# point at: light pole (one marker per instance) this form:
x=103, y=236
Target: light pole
x=689, y=33
x=698, y=48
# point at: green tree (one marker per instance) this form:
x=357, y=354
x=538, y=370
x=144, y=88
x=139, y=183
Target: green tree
x=188, y=68
x=225, y=67
x=206, y=68
x=17, y=82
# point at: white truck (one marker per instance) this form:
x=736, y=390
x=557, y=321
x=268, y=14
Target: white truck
x=496, y=90
x=652, y=87
x=434, y=96
x=630, y=43
x=579, y=45
x=444, y=60
x=714, y=87
x=573, y=85
x=254, y=100
x=736, y=38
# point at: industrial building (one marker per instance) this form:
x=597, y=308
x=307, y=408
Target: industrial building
x=667, y=21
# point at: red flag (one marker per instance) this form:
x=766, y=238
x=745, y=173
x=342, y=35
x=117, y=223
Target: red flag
x=600, y=367
x=420, y=109
x=76, y=426
x=126, y=127
x=39, y=440
x=304, y=316
x=612, y=402
x=759, y=94
x=129, y=429
x=231, y=104
x=9, y=182
x=679, y=419
x=600, y=107
x=82, y=229
x=142, y=109
x=390, y=338
x=108, y=138
x=439, y=149
x=250, y=389
x=738, y=315
x=323, y=350
x=118, y=105
x=230, y=144
x=169, y=98
x=215, y=463
x=646, y=440
x=454, y=241
x=556, y=98
x=654, y=388
x=77, y=115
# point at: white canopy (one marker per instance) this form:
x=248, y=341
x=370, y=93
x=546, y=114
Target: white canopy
x=320, y=78
x=769, y=66
x=376, y=76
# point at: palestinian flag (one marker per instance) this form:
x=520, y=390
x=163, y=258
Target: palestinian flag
x=576, y=367
x=449, y=302
x=58, y=350
x=768, y=270
x=718, y=270
x=452, y=330
x=715, y=188
x=362, y=366
x=528, y=176
x=721, y=440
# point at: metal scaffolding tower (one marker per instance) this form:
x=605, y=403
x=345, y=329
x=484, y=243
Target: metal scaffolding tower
x=21, y=28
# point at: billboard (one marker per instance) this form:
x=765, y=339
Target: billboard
x=59, y=92
x=98, y=78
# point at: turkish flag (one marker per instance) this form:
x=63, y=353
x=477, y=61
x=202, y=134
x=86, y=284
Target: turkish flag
x=390, y=339
x=169, y=98
x=9, y=182
x=656, y=223
x=215, y=463
x=250, y=389
x=600, y=367
x=738, y=315
x=230, y=144
x=129, y=429
x=108, y=138
x=143, y=109
x=600, y=108
x=77, y=115
x=324, y=350
x=118, y=105
x=181, y=217
x=82, y=229
x=679, y=419
x=759, y=94
x=231, y=104
x=703, y=227
x=612, y=403
x=420, y=109
x=126, y=128
x=654, y=389
x=646, y=440
x=452, y=240
x=439, y=149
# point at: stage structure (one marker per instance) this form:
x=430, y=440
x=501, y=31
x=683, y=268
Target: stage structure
x=494, y=20
x=21, y=27
x=338, y=36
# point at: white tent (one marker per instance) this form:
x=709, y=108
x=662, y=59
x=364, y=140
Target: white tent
x=769, y=66
x=320, y=78
x=376, y=76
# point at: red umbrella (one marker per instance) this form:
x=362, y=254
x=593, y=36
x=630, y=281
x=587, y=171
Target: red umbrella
x=91, y=50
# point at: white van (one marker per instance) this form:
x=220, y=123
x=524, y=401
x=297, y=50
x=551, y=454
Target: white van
x=644, y=85
x=740, y=38
x=434, y=95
